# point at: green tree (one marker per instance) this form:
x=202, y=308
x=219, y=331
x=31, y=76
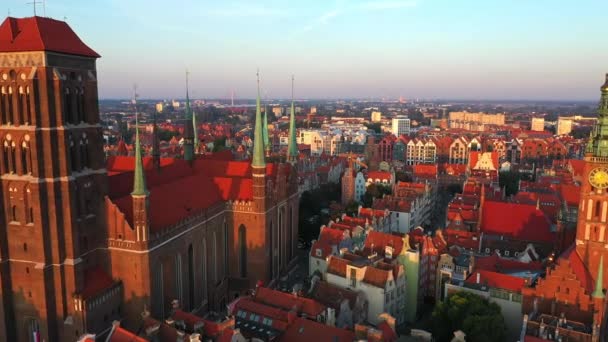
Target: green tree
x=510, y=180
x=401, y=176
x=479, y=319
x=376, y=127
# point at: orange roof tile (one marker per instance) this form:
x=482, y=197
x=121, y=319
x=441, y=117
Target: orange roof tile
x=305, y=330
x=41, y=34
x=497, y=280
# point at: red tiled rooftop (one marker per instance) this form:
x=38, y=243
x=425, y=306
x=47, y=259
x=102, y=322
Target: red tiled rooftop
x=288, y=301
x=497, y=280
x=305, y=330
x=518, y=221
x=337, y=266
x=41, y=34
x=119, y=334
x=380, y=241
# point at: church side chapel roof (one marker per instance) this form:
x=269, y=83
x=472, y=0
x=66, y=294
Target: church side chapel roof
x=190, y=188
x=41, y=34
x=518, y=221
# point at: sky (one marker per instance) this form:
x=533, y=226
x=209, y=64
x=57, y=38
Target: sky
x=450, y=49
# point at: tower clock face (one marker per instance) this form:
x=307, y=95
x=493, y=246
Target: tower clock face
x=598, y=177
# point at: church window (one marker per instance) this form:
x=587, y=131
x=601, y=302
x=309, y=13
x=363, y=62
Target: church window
x=25, y=247
x=67, y=106
x=243, y=251
x=73, y=154
x=214, y=256
x=26, y=156
x=597, y=208
x=84, y=153
x=204, y=268
x=14, y=214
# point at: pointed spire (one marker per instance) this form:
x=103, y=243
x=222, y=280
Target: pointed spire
x=267, y=146
x=292, y=145
x=188, y=128
x=599, y=288
x=258, y=138
x=139, y=177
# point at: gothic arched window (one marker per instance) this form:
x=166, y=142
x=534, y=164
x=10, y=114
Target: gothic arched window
x=26, y=156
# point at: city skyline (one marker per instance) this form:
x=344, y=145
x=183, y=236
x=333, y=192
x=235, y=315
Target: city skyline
x=342, y=49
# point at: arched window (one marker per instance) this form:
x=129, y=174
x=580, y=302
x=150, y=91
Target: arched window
x=5, y=153
x=27, y=106
x=243, y=251
x=9, y=155
x=11, y=105
x=271, y=246
x=26, y=156
x=204, y=268
x=84, y=152
x=81, y=111
x=226, y=249
x=14, y=214
x=191, y=277
x=178, y=278
x=4, y=116
x=67, y=106
x=21, y=106
x=597, y=208
x=29, y=214
x=73, y=154
x=214, y=258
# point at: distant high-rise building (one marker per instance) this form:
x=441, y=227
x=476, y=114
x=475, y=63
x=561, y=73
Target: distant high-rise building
x=376, y=116
x=401, y=125
x=175, y=104
x=313, y=110
x=564, y=126
x=537, y=124
x=159, y=107
x=277, y=111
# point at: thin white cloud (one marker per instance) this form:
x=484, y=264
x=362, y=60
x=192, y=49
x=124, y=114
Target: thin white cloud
x=386, y=5
x=321, y=20
x=241, y=10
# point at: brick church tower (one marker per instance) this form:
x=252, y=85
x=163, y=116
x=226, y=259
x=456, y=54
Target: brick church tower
x=53, y=179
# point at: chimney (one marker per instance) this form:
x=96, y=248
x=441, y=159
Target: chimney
x=478, y=277
x=195, y=338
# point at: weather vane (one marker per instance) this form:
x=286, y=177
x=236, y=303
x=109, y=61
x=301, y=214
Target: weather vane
x=35, y=3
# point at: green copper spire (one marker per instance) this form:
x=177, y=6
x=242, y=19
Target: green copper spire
x=292, y=145
x=267, y=147
x=188, y=128
x=139, y=177
x=258, y=135
x=598, y=141
x=599, y=293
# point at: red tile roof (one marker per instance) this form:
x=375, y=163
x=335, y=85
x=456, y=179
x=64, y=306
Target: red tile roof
x=288, y=301
x=96, y=280
x=495, y=263
x=41, y=34
x=425, y=170
x=376, y=276
x=119, y=334
x=305, y=330
x=497, y=280
x=518, y=221
x=380, y=241
x=337, y=266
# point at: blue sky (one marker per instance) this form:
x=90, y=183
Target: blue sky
x=473, y=49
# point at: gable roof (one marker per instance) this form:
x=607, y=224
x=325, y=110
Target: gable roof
x=306, y=330
x=41, y=34
x=497, y=280
x=518, y=221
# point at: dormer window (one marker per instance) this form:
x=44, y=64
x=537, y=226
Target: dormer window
x=318, y=252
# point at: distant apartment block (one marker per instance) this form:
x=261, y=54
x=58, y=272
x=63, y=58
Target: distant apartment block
x=475, y=121
x=376, y=116
x=564, y=126
x=537, y=124
x=401, y=125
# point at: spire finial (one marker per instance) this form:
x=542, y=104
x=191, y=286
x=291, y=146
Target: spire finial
x=599, y=288
x=139, y=177
x=292, y=145
x=188, y=129
x=258, y=134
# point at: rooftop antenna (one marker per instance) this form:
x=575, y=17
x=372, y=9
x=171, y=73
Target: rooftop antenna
x=34, y=3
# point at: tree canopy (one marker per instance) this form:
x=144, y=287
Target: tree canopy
x=479, y=319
